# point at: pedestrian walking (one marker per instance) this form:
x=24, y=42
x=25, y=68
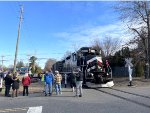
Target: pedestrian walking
x=15, y=85
x=79, y=81
x=58, y=79
x=8, y=82
x=73, y=80
x=49, y=79
x=26, y=83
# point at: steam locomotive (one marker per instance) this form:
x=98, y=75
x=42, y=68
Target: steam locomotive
x=89, y=60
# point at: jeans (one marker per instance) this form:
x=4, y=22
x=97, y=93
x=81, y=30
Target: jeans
x=48, y=88
x=79, y=88
x=58, y=88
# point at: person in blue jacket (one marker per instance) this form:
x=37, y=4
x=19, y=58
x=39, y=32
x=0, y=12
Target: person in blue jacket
x=48, y=79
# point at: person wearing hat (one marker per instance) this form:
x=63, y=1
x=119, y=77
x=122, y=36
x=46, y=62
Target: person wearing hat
x=58, y=79
x=79, y=81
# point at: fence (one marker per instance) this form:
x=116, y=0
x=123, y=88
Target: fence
x=121, y=72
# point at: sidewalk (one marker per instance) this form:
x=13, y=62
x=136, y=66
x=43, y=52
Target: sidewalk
x=37, y=89
x=33, y=88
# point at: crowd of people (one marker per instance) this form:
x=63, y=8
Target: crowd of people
x=12, y=81
x=50, y=80
x=75, y=79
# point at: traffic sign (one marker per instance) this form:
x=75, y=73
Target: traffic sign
x=128, y=62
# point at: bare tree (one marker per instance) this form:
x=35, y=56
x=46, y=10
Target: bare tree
x=98, y=46
x=76, y=47
x=49, y=63
x=110, y=45
x=136, y=14
x=67, y=53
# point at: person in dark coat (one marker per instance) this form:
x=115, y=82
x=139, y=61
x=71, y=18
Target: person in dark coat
x=8, y=82
x=79, y=81
x=15, y=85
x=72, y=80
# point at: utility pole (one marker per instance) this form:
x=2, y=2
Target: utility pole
x=16, y=52
x=2, y=66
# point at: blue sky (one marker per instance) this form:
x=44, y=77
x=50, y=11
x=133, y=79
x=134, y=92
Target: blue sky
x=51, y=28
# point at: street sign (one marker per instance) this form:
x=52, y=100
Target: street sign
x=128, y=62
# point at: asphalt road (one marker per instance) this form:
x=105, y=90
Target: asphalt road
x=98, y=100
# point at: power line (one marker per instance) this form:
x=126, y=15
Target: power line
x=2, y=61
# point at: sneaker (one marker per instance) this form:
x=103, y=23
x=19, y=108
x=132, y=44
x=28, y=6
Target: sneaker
x=80, y=95
x=9, y=95
x=50, y=94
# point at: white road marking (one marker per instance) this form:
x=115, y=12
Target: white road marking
x=13, y=109
x=37, y=109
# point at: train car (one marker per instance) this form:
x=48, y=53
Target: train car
x=89, y=60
